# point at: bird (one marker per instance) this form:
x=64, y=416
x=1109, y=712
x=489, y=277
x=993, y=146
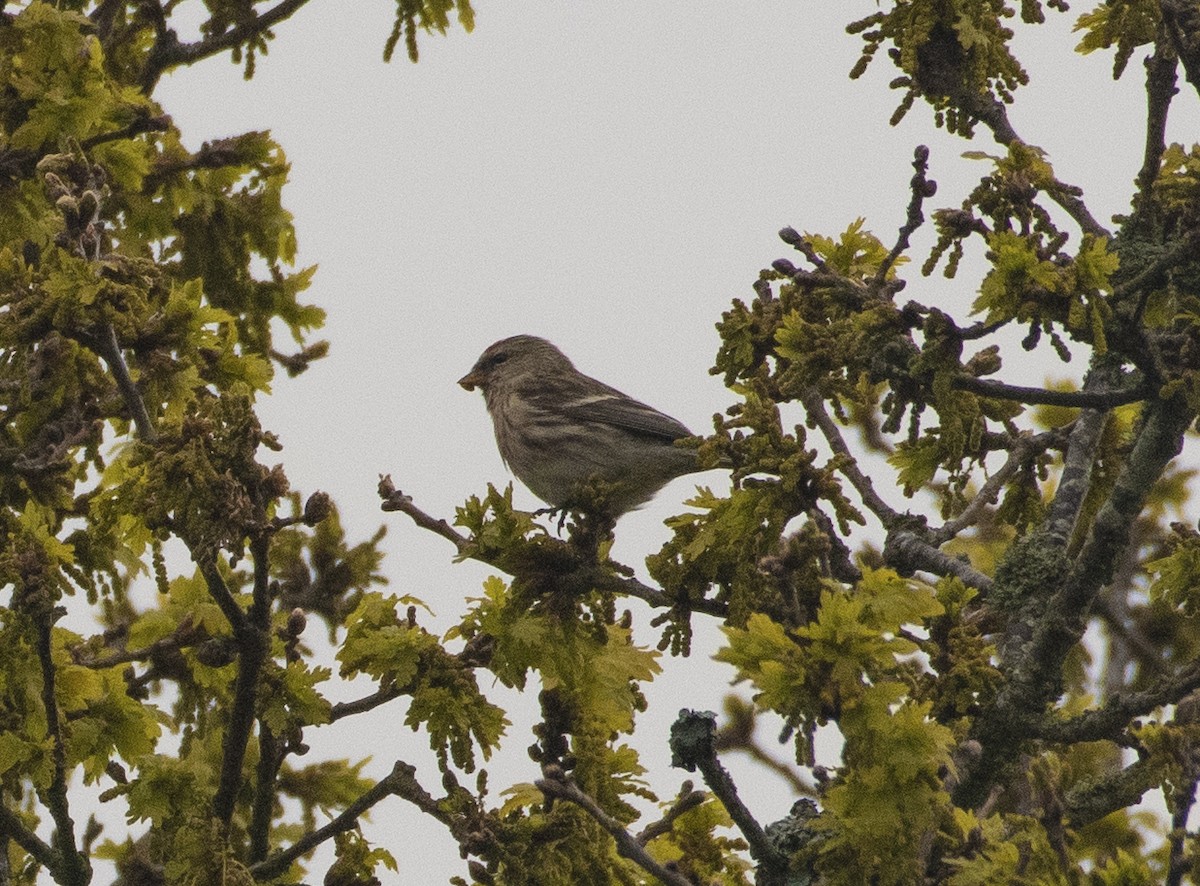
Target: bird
x=561, y=432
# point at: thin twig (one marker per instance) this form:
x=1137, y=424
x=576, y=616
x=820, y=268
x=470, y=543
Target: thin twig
x=12, y=827
x=631, y=587
x=168, y=52
x=793, y=238
x=1108, y=722
x=222, y=596
x=980, y=330
x=1024, y=449
x=183, y=636
x=110, y=350
x=993, y=114
x=684, y=803
x=1149, y=656
x=400, y=782
x=921, y=188
x=142, y=124
x=1108, y=399
x=627, y=845
x=847, y=464
x=364, y=704
x=395, y=500
x=72, y=867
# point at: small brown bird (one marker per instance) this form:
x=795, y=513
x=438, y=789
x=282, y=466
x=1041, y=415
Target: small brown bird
x=558, y=429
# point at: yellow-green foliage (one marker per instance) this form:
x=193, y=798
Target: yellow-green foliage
x=149, y=292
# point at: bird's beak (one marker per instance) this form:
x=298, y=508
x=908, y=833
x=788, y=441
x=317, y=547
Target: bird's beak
x=471, y=380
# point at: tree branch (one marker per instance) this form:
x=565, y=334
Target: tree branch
x=168, y=52
x=1095, y=799
x=71, y=866
x=993, y=114
x=222, y=596
x=1077, y=464
x=814, y=407
x=13, y=827
x=254, y=645
x=1184, y=250
x=364, y=704
x=1024, y=450
x=270, y=756
x=395, y=500
x=1158, y=443
x=687, y=800
x=904, y=550
x=141, y=124
x=1179, y=863
x=185, y=635
x=110, y=350
x=606, y=581
x=1042, y=632
x=693, y=746
x=400, y=782
x=1182, y=19
x=562, y=788
x=1111, y=607
x=921, y=188
x=1160, y=89
x=1108, y=722
x=1106, y=399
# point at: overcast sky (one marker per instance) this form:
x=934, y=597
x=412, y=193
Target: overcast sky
x=606, y=175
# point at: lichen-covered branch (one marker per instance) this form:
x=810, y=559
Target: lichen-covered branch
x=1111, y=720
x=1043, y=632
x=693, y=746
x=1091, y=801
x=1182, y=19
x=1077, y=467
x=1160, y=89
x=906, y=551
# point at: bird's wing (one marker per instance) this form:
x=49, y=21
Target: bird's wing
x=597, y=402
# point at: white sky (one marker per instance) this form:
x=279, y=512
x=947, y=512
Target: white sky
x=609, y=176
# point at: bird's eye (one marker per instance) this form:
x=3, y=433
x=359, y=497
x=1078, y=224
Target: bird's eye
x=495, y=360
